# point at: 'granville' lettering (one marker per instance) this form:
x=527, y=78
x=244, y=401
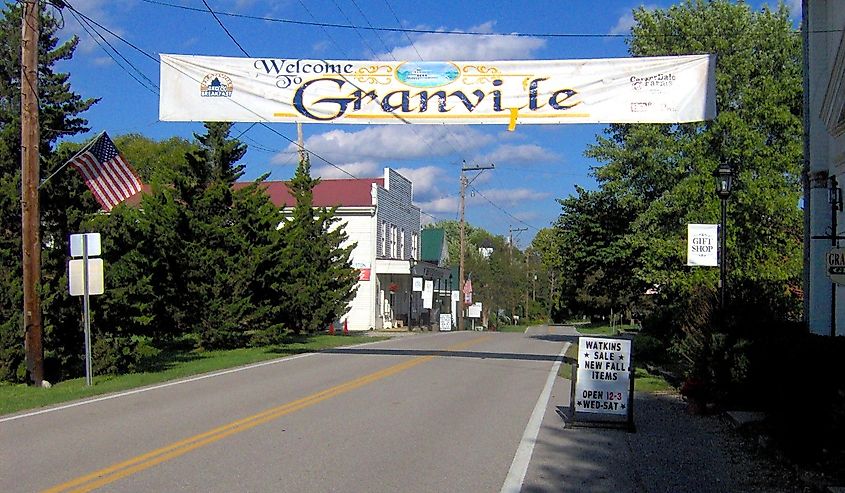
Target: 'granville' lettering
x=308, y=101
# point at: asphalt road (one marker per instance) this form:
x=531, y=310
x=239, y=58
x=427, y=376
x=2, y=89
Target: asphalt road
x=434, y=412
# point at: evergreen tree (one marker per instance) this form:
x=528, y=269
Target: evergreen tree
x=60, y=110
x=215, y=286
x=320, y=281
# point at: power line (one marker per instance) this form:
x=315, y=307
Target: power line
x=85, y=24
x=213, y=14
x=316, y=23
x=90, y=22
x=503, y=210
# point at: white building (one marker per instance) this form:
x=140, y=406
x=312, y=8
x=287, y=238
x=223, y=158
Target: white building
x=379, y=216
x=824, y=154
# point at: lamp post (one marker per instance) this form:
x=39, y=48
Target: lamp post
x=724, y=182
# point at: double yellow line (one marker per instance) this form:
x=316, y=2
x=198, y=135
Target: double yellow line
x=145, y=461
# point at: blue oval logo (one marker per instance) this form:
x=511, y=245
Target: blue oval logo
x=427, y=74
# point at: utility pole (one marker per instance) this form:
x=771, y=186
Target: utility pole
x=30, y=209
x=511, y=231
x=300, y=142
x=462, y=275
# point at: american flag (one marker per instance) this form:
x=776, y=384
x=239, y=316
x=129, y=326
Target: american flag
x=106, y=172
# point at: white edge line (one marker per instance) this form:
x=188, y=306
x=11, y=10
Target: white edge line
x=519, y=466
x=173, y=383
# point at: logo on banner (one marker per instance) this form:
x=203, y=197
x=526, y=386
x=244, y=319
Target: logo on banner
x=652, y=82
x=216, y=86
x=427, y=74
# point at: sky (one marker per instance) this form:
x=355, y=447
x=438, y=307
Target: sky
x=117, y=61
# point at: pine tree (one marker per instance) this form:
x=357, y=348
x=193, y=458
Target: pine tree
x=320, y=281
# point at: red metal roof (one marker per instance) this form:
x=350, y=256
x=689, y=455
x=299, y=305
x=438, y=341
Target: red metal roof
x=327, y=193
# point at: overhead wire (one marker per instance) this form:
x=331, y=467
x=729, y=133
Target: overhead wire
x=213, y=14
x=503, y=210
x=90, y=23
x=83, y=22
x=316, y=23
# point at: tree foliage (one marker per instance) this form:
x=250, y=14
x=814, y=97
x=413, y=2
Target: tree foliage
x=629, y=236
x=320, y=279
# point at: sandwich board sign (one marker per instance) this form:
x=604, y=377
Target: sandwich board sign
x=604, y=382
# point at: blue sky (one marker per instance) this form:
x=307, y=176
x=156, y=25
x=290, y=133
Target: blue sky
x=534, y=165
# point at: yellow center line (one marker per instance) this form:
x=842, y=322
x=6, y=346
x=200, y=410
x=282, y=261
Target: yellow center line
x=145, y=461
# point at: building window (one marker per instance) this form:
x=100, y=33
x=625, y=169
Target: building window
x=402, y=244
x=415, y=242
x=394, y=232
x=383, y=239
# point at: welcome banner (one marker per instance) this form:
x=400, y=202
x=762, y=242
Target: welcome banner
x=672, y=89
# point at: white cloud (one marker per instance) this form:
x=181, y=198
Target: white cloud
x=359, y=169
x=523, y=153
x=443, y=204
x=623, y=24
x=432, y=46
x=509, y=196
x=394, y=142
x=626, y=20
x=427, y=180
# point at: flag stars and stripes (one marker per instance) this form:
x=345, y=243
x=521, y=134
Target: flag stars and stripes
x=106, y=172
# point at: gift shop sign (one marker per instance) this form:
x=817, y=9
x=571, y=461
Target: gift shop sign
x=604, y=376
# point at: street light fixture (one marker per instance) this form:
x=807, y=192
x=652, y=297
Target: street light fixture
x=724, y=183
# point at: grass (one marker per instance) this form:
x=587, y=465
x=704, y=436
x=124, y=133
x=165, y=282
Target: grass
x=512, y=328
x=643, y=380
x=603, y=330
x=169, y=366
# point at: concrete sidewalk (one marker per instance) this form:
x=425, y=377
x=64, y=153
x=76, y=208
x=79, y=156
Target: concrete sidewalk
x=671, y=451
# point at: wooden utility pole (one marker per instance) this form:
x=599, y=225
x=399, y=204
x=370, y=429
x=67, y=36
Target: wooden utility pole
x=462, y=273
x=511, y=231
x=30, y=209
x=300, y=142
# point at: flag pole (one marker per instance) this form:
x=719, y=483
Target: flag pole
x=80, y=151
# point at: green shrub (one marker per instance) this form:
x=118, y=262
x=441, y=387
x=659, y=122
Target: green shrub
x=112, y=355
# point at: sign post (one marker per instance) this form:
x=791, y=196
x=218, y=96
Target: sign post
x=603, y=388
x=85, y=278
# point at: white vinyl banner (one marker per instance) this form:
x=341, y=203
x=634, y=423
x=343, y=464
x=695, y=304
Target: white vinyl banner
x=702, y=245
x=671, y=89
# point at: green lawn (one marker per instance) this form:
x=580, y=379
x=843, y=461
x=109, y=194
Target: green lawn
x=602, y=330
x=643, y=380
x=512, y=328
x=170, y=366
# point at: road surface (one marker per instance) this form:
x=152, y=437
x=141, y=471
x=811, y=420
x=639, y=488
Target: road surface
x=434, y=412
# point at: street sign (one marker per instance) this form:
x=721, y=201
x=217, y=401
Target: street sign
x=85, y=278
x=76, y=284
x=474, y=310
x=604, y=376
x=836, y=265
x=76, y=245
